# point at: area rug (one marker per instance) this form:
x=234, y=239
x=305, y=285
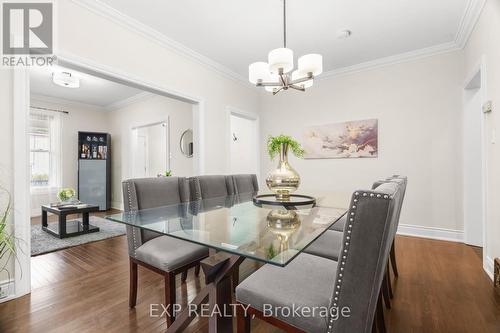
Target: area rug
x=43, y=242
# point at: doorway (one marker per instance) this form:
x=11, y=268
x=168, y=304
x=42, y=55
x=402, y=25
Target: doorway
x=151, y=155
x=474, y=160
x=243, y=138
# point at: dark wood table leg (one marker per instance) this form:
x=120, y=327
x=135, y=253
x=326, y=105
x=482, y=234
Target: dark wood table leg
x=85, y=221
x=44, y=218
x=218, y=270
x=62, y=225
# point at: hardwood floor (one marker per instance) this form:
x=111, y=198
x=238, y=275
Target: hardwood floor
x=441, y=288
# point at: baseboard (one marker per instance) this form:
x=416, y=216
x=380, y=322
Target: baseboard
x=488, y=267
x=431, y=232
x=10, y=290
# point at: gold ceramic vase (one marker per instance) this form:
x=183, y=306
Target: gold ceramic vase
x=284, y=179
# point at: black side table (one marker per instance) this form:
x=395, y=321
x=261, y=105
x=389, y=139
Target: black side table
x=69, y=229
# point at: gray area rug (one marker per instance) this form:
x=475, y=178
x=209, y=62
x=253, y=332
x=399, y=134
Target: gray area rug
x=43, y=242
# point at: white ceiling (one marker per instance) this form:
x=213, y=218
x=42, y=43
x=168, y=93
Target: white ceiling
x=235, y=33
x=93, y=90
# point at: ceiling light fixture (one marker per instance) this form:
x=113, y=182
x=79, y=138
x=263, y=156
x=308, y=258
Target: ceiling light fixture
x=65, y=79
x=276, y=74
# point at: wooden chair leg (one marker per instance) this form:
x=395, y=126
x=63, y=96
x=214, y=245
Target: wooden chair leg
x=184, y=276
x=393, y=259
x=242, y=321
x=197, y=270
x=236, y=277
x=133, y=284
x=385, y=292
x=170, y=297
x=380, y=316
x=389, y=283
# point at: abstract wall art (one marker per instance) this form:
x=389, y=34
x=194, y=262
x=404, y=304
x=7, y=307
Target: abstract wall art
x=351, y=139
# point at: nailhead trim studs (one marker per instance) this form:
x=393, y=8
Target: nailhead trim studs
x=338, y=284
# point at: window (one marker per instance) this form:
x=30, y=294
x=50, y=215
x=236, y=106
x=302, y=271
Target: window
x=44, y=140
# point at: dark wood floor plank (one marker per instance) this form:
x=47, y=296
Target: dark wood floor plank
x=441, y=288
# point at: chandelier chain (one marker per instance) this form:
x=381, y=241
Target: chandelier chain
x=284, y=23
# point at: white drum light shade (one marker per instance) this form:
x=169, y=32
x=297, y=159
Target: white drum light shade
x=258, y=71
x=65, y=79
x=280, y=58
x=298, y=75
x=311, y=63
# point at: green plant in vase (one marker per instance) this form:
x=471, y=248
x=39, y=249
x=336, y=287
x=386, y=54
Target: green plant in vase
x=66, y=194
x=168, y=173
x=284, y=179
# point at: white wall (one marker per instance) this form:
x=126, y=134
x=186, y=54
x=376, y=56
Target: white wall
x=418, y=105
x=485, y=41
x=148, y=111
x=6, y=162
x=91, y=36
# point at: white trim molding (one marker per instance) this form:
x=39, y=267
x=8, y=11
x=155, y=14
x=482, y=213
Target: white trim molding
x=469, y=20
x=489, y=267
x=22, y=221
x=142, y=96
x=126, y=21
x=431, y=232
x=391, y=60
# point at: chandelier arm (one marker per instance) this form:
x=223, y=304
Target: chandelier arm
x=283, y=81
x=303, y=79
x=277, y=91
x=269, y=84
x=297, y=87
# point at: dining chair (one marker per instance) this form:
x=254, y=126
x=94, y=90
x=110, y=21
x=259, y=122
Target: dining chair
x=211, y=186
x=403, y=180
x=164, y=255
x=246, y=183
x=307, y=281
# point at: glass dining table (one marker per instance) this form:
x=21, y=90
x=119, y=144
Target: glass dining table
x=236, y=228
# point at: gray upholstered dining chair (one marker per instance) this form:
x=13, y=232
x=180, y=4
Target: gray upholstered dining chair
x=246, y=183
x=329, y=244
x=309, y=281
x=162, y=254
x=210, y=186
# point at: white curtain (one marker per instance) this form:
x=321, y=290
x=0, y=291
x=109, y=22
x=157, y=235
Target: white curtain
x=41, y=195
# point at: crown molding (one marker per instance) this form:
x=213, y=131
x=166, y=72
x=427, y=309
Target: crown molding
x=468, y=22
x=126, y=21
x=65, y=103
x=391, y=60
x=142, y=96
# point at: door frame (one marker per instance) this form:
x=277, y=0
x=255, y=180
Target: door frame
x=481, y=69
x=21, y=103
x=233, y=111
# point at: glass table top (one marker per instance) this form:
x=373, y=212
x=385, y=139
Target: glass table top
x=234, y=224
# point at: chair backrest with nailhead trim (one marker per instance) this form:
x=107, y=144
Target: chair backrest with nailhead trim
x=144, y=193
x=365, y=249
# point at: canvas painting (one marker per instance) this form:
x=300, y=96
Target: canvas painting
x=351, y=139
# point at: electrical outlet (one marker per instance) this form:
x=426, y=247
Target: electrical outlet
x=4, y=291
x=488, y=107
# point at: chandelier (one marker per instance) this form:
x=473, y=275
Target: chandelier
x=277, y=75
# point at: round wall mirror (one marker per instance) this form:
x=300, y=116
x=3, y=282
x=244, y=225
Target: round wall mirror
x=186, y=143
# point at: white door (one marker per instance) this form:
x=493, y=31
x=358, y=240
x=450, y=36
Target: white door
x=244, y=145
x=473, y=170
x=141, y=154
